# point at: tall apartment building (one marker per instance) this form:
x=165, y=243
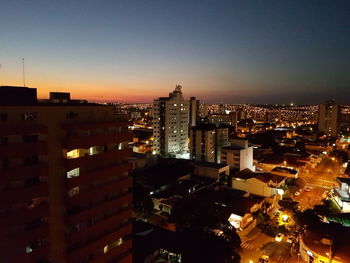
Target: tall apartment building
x=64, y=182
x=239, y=155
x=170, y=125
x=193, y=112
x=329, y=119
x=206, y=142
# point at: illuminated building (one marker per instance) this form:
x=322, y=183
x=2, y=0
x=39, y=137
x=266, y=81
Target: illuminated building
x=239, y=155
x=64, y=183
x=170, y=125
x=328, y=119
x=206, y=142
x=194, y=112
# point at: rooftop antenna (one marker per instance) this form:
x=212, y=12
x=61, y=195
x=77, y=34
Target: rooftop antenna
x=23, y=72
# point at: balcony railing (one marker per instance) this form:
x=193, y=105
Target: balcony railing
x=77, y=142
x=21, y=150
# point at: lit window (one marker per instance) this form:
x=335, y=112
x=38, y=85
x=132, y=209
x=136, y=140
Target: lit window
x=73, y=173
x=73, y=154
x=73, y=192
x=112, y=245
x=29, y=249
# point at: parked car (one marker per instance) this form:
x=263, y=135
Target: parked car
x=290, y=240
x=263, y=259
x=279, y=237
x=307, y=189
x=297, y=193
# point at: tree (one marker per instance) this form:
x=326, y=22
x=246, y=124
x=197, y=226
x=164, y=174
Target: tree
x=199, y=223
x=289, y=204
x=306, y=218
x=142, y=202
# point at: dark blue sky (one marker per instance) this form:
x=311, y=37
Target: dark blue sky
x=220, y=51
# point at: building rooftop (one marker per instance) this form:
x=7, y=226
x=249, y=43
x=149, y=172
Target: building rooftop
x=261, y=176
x=148, y=238
x=284, y=170
x=167, y=171
x=315, y=240
x=211, y=165
x=204, y=127
x=233, y=147
x=229, y=201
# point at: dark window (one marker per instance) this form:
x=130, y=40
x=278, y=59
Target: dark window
x=5, y=164
x=31, y=181
x=71, y=115
x=30, y=138
x=31, y=160
x=3, y=116
x=4, y=140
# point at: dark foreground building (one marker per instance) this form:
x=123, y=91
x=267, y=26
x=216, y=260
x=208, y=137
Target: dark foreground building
x=64, y=183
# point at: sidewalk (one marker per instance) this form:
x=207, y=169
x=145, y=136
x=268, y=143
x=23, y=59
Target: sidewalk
x=251, y=235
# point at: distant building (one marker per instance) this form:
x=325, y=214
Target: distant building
x=259, y=183
x=342, y=194
x=194, y=112
x=206, y=142
x=329, y=119
x=10, y=95
x=239, y=155
x=170, y=125
x=64, y=182
x=203, y=110
x=222, y=118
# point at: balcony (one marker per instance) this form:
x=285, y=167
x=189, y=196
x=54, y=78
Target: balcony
x=115, y=252
x=22, y=239
x=24, y=194
x=96, y=193
x=98, y=158
x=76, y=142
x=23, y=172
x=21, y=150
x=37, y=255
x=99, y=174
x=25, y=215
x=99, y=209
x=87, y=233
x=21, y=129
x=96, y=125
x=99, y=243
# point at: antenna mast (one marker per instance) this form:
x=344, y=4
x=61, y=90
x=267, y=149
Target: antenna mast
x=23, y=72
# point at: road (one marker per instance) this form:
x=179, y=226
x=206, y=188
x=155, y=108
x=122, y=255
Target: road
x=319, y=180
x=279, y=252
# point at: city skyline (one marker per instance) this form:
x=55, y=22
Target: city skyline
x=230, y=52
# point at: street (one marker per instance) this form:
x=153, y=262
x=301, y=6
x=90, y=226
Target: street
x=319, y=180
x=279, y=252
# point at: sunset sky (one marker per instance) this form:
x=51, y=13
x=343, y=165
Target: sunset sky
x=219, y=51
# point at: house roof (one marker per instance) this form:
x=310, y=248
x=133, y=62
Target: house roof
x=228, y=201
x=284, y=170
x=147, y=238
x=267, y=177
x=211, y=165
x=263, y=177
x=233, y=147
